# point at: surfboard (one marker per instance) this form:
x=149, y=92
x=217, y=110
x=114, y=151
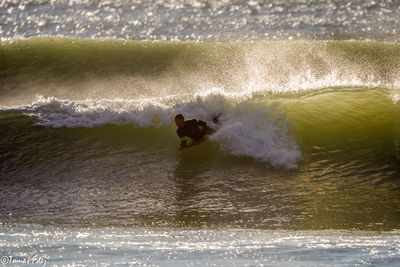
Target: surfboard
x=195, y=143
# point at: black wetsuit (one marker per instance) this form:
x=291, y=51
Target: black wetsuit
x=194, y=129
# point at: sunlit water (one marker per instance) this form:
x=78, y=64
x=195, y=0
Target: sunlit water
x=303, y=169
x=53, y=246
x=198, y=20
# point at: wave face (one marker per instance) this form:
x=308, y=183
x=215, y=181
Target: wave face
x=83, y=83
x=306, y=130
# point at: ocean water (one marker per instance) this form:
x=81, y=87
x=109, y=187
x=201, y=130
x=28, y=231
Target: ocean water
x=304, y=167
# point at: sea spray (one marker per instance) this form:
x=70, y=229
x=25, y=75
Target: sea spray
x=113, y=69
x=260, y=131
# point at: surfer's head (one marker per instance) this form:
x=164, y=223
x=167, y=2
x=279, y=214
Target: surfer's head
x=179, y=120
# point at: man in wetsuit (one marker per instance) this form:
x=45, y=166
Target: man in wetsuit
x=191, y=131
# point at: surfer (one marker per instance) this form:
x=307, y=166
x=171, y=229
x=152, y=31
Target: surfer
x=192, y=132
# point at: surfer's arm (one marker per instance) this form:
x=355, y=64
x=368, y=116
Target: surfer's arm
x=185, y=141
x=207, y=129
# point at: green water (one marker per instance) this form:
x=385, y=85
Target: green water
x=346, y=177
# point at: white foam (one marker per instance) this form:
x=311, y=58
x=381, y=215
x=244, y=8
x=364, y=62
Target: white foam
x=91, y=113
x=260, y=132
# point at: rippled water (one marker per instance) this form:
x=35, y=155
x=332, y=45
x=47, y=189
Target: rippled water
x=162, y=247
x=202, y=20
